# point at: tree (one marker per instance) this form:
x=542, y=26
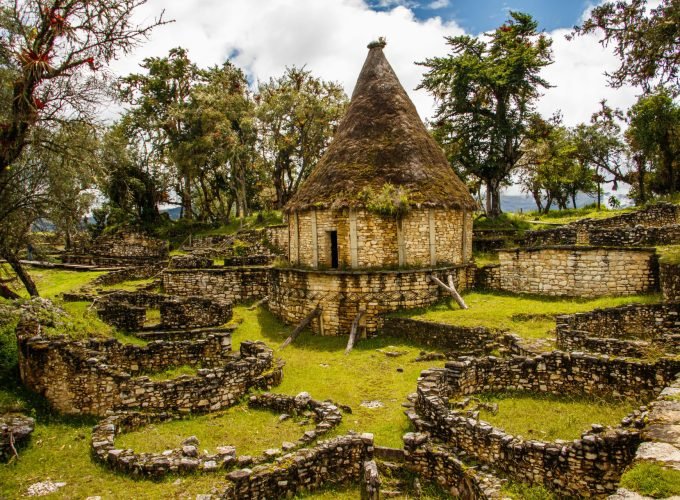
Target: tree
x=222, y=140
x=600, y=147
x=161, y=101
x=50, y=54
x=297, y=117
x=550, y=169
x=654, y=137
x=646, y=41
x=485, y=95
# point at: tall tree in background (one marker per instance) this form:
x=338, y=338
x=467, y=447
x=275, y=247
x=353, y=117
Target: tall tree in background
x=160, y=101
x=485, y=95
x=600, y=147
x=654, y=138
x=222, y=142
x=550, y=168
x=297, y=117
x=50, y=53
x=647, y=41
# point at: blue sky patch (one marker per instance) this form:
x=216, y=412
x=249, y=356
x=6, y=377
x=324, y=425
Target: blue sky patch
x=476, y=16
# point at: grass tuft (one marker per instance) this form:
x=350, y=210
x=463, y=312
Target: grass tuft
x=652, y=480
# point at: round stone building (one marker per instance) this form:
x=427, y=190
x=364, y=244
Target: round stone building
x=381, y=211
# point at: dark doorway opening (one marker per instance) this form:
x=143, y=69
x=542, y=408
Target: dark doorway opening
x=334, y=248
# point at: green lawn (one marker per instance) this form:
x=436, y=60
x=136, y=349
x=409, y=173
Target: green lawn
x=652, y=480
x=548, y=417
x=130, y=285
x=218, y=429
x=526, y=315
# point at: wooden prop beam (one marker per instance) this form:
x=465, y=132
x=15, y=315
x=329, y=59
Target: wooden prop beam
x=451, y=289
x=353, y=332
x=301, y=326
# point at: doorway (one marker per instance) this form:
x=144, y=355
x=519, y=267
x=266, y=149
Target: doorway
x=333, y=235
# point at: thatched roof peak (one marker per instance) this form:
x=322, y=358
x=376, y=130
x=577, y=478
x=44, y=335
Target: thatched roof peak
x=381, y=140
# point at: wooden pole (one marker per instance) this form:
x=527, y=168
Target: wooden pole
x=451, y=289
x=258, y=303
x=353, y=332
x=301, y=326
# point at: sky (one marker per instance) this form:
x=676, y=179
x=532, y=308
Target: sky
x=329, y=37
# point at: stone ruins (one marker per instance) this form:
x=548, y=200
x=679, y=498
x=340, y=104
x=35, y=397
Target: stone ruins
x=382, y=224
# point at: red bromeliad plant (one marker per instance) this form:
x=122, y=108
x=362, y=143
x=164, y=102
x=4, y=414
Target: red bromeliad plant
x=49, y=50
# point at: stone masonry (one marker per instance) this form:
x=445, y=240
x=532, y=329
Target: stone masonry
x=579, y=271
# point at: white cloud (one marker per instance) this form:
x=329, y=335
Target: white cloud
x=330, y=37
x=438, y=4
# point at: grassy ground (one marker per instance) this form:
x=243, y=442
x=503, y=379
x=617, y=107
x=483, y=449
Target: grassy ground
x=59, y=448
x=174, y=372
x=217, y=429
x=548, y=417
x=130, y=285
x=652, y=480
x=526, y=315
x=669, y=254
x=486, y=258
x=52, y=282
x=573, y=214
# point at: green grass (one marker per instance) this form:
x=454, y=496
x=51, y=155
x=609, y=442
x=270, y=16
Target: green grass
x=526, y=315
x=153, y=316
x=485, y=258
x=503, y=221
x=174, y=372
x=219, y=429
x=59, y=448
x=523, y=491
x=652, y=480
x=669, y=254
x=52, y=282
x=574, y=214
x=130, y=285
x=548, y=417
x=255, y=221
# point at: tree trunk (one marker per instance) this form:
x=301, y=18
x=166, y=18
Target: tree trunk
x=187, y=209
x=21, y=273
x=642, y=195
x=6, y=293
x=493, y=199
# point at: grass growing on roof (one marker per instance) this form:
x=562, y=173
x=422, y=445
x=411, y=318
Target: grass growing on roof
x=652, y=480
x=529, y=316
x=547, y=417
x=225, y=428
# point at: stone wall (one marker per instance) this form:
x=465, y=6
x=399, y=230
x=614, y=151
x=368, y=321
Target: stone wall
x=579, y=271
x=669, y=278
x=231, y=284
x=191, y=261
x=121, y=248
x=629, y=330
x=654, y=225
x=187, y=459
x=441, y=466
x=657, y=215
x=334, y=462
x=93, y=377
x=488, y=277
x=15, y=430
x=122, y=315
x=589, y=466
x=194, y=312
x=565, y=235
x=277, y=236
x=635, y=236
x=423, y=237
x=452, y=338
x=127, y=274
x=294, y=293
x=489, y=240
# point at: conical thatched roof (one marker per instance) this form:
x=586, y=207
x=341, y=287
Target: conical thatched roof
x=381, y=140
